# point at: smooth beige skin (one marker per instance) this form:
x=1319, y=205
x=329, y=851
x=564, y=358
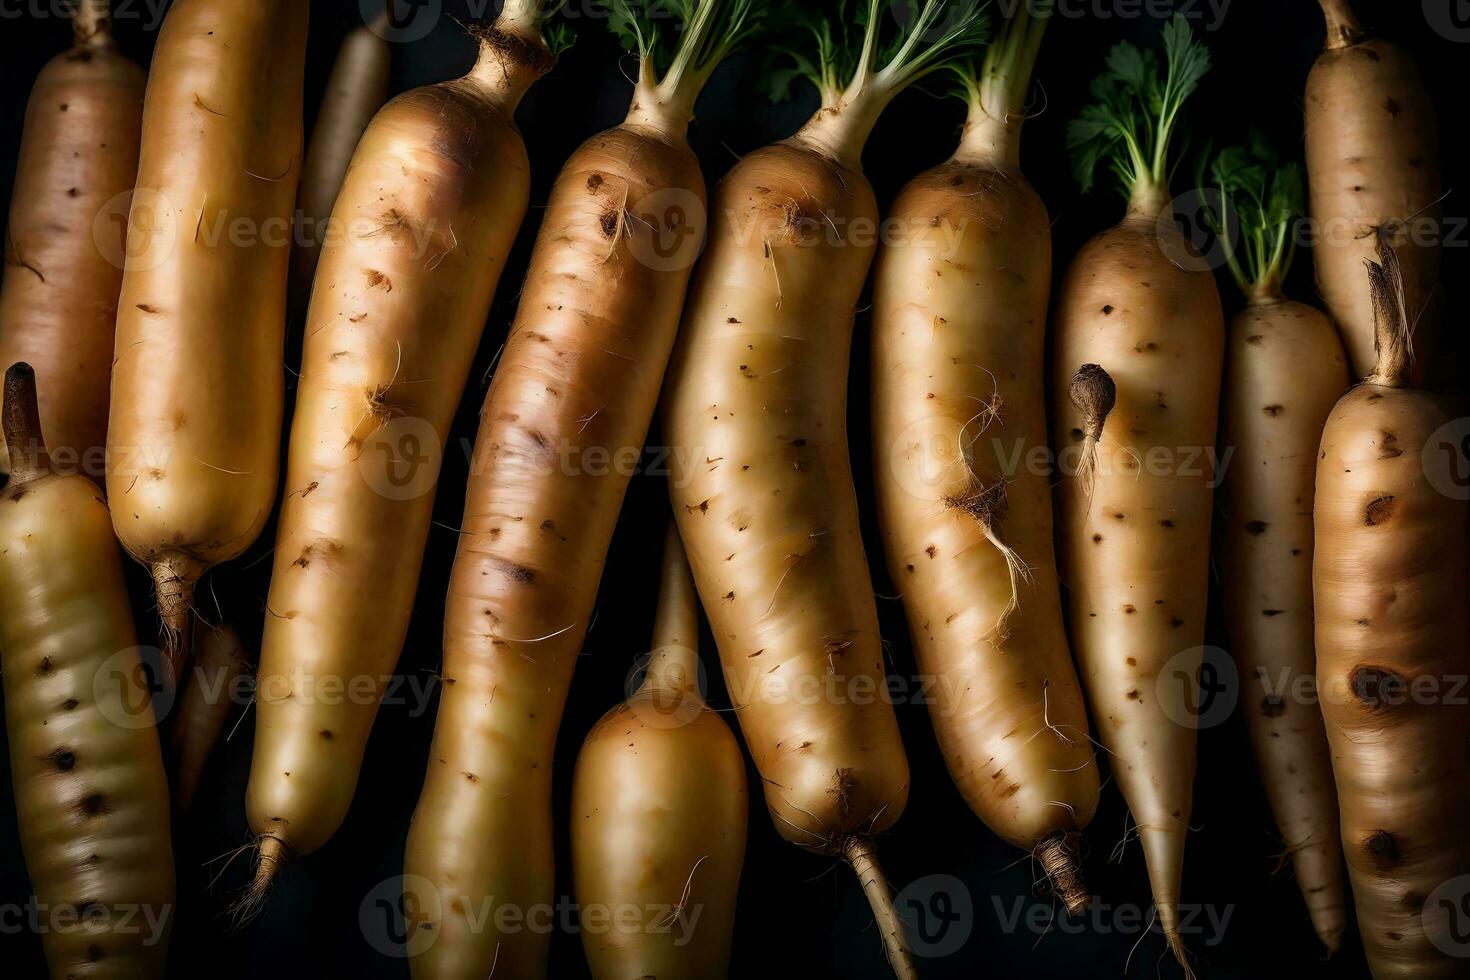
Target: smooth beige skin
x=1285, y=369
x=1134, y=557
x=1373, y=162
x=90, y=792
x=659, y=810
x=212, y=694
x=356, y=90
x=756, y=409
x=195, y=429
x=561, y=429
x=434, y=199
x=1390, y=585
x=959, y=328
x=63, y=254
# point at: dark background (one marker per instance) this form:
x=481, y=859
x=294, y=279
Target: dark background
x=800, y=915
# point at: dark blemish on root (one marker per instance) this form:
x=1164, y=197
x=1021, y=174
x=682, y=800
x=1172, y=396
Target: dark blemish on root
x=1383, y=847
x=1128, y=609
x=1107, y=310
x=1268, y=613
x=326, y=733
x=150, y=310
x=594, y=182
x=1389, y=446
x=375, y=278
x=1273, y=706
x=1133, y=695
x=1376, y=687
x=92, y=805
x=1167, y=523
x=1273, y=410
x=609, y=223
x=1254, y=340
x=1392, y=107
x=1255, y=528
x=63, y=759
x=1131, y=661
x=70, y=704
x=1380, y=510
x=44, y=667
x=931, y=551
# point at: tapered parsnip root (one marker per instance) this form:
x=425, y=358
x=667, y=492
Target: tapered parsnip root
x=90, y=791
x=1135, y=526
x=204, y=705
x=270, y=856
x=430, y=207
x=580, y=375
x=63, y=252
x=194, y=427
x=860, y=856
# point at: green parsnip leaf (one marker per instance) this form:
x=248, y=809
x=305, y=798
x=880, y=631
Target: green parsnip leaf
x=1253, y=199
x=1137, y=99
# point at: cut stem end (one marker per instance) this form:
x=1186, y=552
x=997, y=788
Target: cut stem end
x=1060, y=860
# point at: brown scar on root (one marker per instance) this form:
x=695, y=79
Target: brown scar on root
x=989, y=507
x=1094, y=394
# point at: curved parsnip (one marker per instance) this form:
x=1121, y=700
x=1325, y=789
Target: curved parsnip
x=356, y=90
x=1373, y=160
x=64, y=242
x=959, y=329
x=1135, y=517
x=205, y=705
x=659, y=808
x=561, y=429
x=195, y=428
x=431, y=206
x=756, y=411
x=1284, y=370
x=90, y=792
x=1390, y=585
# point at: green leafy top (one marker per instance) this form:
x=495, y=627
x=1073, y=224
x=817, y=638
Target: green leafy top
x=995, y=89
x=679, y=43
x=1131, y=124
x=1257, y=197
x=542, y=16
x=848, y=39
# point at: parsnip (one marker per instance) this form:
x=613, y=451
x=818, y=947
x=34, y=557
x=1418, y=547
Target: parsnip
x=431, y=206
x=1136, y=370
x=205, y=705
x=959, y=331
x=659, y=808
x=756, y=406
x=63, y=247
x=195, y=427
x=90, y=792
x=1389, y=582
x=560, y=431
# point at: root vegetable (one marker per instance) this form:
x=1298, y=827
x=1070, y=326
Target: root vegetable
x=1389, y=582
x=205, y=705
x=1285, y=369
x=756, y=406
x=659, y=806
x=561, y=428
x=356, y=90
x=431, y=206
x=958, y=335
x=195, y=429
x=1136, y=374
x=1374, y=169
x=90, y=792
x=63, y=251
